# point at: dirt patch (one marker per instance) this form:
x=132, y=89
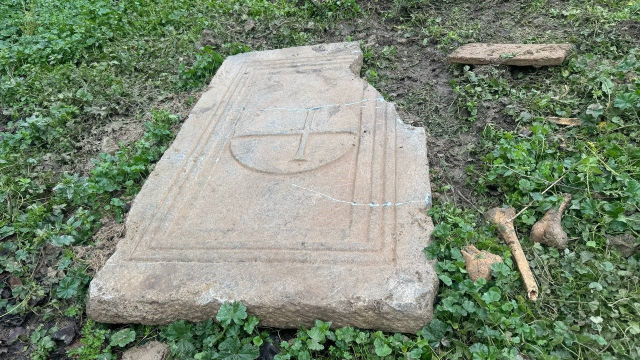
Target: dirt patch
x=104, y=245
x=16, y=329
x=108, y=138
x=13, y=339
x=109, y=135
x=630, y=28
x=419, y=80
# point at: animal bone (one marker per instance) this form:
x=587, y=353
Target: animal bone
x=478, y=263
x=548, y=230
x=503, y=218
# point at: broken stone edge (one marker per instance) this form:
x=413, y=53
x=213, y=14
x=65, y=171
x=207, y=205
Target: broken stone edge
x=162, y=292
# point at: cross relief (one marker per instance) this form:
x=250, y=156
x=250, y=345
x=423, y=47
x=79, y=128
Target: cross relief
x=303, y=132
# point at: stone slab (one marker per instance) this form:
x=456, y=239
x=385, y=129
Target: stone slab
x=511, y=54
x=293, y=187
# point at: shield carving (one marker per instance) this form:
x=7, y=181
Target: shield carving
x=290, y=141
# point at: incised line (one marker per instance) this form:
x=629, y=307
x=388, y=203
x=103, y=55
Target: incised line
x=426, y=200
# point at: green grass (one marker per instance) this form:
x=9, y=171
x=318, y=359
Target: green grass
x=69, y=69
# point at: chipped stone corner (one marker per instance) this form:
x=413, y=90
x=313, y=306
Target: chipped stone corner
x=408, y=292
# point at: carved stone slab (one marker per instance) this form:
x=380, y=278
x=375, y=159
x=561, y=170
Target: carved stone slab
x=511, y=54
x=292, y=187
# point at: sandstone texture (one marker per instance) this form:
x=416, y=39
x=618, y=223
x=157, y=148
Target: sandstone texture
x=153, y=350
x=511, y=54
x=292, y=187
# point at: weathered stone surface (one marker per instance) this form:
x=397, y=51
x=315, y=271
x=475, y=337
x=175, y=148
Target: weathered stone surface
x=625, y=243
x=66, y=333
x=511, y=54
x=292, y=187
x=153, y=350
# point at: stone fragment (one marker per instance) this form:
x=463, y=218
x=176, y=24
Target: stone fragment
x=511, y=54
x=478, y=263
x=66, y=333
x=294, y=188
x=208, y=38
x=268, y=351
x=109, y=145
x=565, y=121
x=14, y=281
x=626, y=244
x=16, y=333
x=153, y=350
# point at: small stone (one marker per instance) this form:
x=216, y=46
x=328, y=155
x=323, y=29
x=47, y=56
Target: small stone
x=478, y=263
x=511, y=54
x=208, y=38
x=268, y=351
x=66, y=333
x=16, y=333
x=109, y=145
x=525, y=132
x=249, y=25
x=625, y=243
x=153, y=350
x=52, y=273
x=14, y=281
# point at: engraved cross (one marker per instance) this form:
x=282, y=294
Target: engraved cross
x=304, y=133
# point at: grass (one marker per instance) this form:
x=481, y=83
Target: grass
x=70, y=71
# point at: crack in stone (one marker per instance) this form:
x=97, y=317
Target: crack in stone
x=426, y=200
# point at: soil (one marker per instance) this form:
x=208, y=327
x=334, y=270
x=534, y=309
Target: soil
x=104, y=245
x=630, y=28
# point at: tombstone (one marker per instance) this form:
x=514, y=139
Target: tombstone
x=292, y=187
